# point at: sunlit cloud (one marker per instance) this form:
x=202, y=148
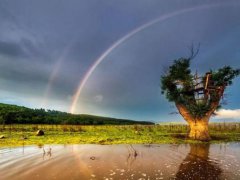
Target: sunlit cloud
x=228, y=113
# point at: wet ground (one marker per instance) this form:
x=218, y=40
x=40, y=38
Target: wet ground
x=195, y=161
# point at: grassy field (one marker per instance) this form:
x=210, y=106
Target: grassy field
x=18, y=134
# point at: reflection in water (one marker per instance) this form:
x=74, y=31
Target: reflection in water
x=195, y=161
x=47, y=153
x=132, y=155
x=23, y=148
x=198, y=165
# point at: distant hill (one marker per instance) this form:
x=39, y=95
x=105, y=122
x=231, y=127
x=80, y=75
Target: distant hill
x=13, y=114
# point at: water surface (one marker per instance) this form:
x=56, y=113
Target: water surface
x=194, y=161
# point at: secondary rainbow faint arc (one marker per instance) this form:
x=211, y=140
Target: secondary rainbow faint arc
x=51, y=79
x=126, y=37
x=53, y=75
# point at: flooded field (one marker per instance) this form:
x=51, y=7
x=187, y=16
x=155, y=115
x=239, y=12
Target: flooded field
x=194, y=161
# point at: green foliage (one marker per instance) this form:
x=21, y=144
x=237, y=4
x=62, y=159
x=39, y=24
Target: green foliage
x=197, y=110
x=224, y=76
x=12, y=114
x=178, y=72
x=178, y=86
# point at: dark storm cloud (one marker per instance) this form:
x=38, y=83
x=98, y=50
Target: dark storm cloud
x=36, y=35
x=11, y=49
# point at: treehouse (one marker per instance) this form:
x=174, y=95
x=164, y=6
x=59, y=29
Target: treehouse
x=202, y=88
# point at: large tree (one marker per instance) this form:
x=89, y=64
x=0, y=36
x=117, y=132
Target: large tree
x=196, y=98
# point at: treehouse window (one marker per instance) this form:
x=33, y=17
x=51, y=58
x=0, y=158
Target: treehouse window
x=199, y=95
x=179, y=86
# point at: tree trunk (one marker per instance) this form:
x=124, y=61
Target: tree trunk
x=198, y=126
x=199, y=129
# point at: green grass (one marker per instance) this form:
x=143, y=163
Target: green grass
x=127, y=134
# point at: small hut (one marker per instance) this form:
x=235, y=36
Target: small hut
x=203, y=88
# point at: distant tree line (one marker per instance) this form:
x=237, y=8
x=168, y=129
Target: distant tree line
x=12, y=114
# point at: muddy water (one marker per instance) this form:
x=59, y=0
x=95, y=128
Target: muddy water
x=195, y=161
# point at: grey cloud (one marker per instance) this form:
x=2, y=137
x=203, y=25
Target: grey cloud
x=36, y=35
x=11, y=49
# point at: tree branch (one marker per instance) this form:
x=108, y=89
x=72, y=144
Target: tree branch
x=184, y=112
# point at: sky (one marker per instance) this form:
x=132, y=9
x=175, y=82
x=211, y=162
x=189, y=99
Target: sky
x=106, y=57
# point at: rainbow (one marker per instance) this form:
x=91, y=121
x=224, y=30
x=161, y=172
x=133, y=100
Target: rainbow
x=128, y=36
x=54, y=73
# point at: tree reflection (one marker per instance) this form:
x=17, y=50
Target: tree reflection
x=198, y=165
x=132, y=155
